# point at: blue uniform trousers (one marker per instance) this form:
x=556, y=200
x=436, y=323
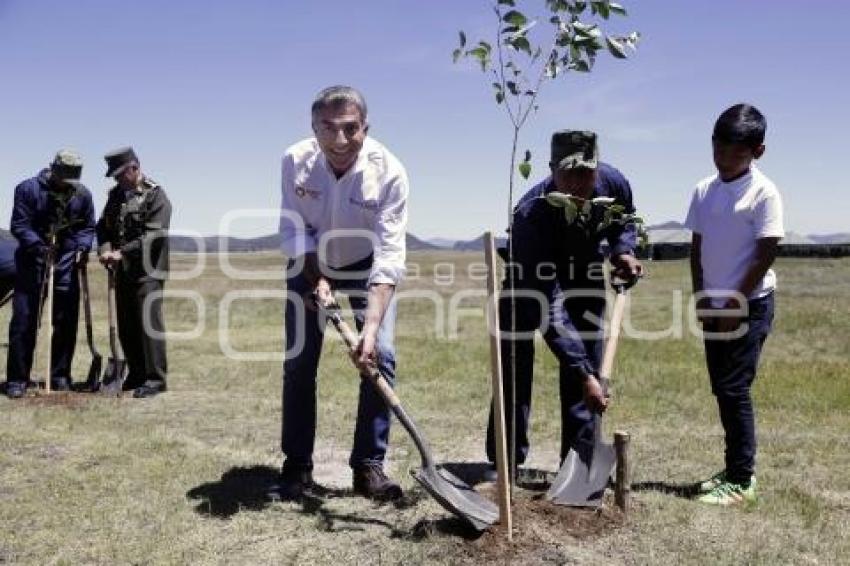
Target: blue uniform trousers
x=576, y=420
x=24, y=323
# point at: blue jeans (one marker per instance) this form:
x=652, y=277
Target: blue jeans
x=304, y=335
x=732, y=368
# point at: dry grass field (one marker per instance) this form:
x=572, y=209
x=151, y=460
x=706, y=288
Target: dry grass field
x=181, y=478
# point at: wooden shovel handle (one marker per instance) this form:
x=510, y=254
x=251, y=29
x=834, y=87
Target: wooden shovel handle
x=48, y=307
x=84, y=287
x=613, y=334
x=112, y=315
x=331, y=312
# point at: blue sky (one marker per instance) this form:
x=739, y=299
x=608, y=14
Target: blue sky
x=211, y=93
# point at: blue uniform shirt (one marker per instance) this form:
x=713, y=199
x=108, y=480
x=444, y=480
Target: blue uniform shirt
x=32, y=216
x=571, y=255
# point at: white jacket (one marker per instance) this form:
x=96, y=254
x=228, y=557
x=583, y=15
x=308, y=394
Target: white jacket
x=345, y=220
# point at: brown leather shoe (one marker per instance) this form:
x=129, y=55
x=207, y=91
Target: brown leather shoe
x=370, y=481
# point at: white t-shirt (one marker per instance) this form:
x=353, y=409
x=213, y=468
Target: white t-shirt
x=345, y=220
x=730, y=217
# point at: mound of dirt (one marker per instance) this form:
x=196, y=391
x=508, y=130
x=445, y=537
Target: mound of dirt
x=65, y=399
x=543, y=531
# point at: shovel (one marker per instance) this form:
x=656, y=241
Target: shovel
x=6, y=297
x=47, y=307
x=585, y=473
x=93, y=381
x=447, y=489
x=116, y=365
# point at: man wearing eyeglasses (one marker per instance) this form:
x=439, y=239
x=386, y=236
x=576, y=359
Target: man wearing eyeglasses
x=342, y=226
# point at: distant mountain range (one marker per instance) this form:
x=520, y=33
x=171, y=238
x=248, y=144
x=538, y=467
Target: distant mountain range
x=668, y=232
x=212, y=244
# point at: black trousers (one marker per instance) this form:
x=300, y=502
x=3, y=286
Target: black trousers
x=141, y=329
x=732, y=367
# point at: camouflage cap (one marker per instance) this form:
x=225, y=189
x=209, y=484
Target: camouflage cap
x=574, y=148
x=67, y=166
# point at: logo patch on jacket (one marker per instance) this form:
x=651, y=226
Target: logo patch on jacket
x=301, y=192
x=366, y=204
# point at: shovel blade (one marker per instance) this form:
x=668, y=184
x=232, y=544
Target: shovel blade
x=581, y=481
x=113, y=377
x=457, y=497
x=92, y=383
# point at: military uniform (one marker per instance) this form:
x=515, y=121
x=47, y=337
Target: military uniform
x=44, y=209
x=559, y=293
x=136, y=222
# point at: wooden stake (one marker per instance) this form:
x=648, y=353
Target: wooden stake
x=48, y=323
x=503, y=477
x=622, y=483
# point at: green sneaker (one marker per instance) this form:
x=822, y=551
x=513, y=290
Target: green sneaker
x=712, y=483
x=728, y=493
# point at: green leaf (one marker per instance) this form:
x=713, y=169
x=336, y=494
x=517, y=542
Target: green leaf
x=558, y=199
x=525, y=169
x=500, y=93
x=570, y=211
x=617, y=9
x=574, y=52
x=482, y=55
x=577, y=8
x=462, y=39
x=515, y=18
x=601, y=7
x=587, y=30
x=520, y=43
x=579, y=65
x=616, y=48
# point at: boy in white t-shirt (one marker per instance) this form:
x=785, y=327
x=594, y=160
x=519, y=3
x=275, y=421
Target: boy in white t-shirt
x=736, y=219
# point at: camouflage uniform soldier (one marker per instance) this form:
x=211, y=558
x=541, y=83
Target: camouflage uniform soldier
x=132, y=236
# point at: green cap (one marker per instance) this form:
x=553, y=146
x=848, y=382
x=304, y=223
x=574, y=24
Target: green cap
x=67, y=166
x=574, y=148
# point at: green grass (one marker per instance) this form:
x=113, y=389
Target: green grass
x=180, y=478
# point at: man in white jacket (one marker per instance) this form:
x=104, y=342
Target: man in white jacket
x=342, y=225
